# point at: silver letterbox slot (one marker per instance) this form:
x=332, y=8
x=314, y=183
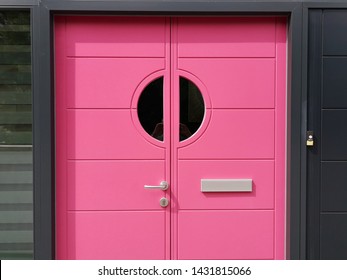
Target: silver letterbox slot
x=226, y=185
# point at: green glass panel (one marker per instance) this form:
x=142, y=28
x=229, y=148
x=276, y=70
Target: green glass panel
x=11, y=58
x=16, y=169
x=14, y=17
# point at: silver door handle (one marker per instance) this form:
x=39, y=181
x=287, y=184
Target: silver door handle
x=163, y=186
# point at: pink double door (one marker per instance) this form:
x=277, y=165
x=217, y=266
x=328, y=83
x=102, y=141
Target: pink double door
x=170, y=137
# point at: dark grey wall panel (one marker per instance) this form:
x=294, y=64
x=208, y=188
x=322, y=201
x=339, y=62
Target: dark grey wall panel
x=334, y=134
x=335, y=82
x=334, y=186
x=334, y=32
x=333, y=236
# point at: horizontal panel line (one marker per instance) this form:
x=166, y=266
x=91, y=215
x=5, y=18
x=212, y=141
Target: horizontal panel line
x=334, y=212
x=334, y=56
x=99, y=108
x=238, y=109
x=164, y=210
x=223, y=159
x=239, y=259
x=121, y=210
x=117, y=57
x=227, y=57
x=334, y=109
x=231, y=159
x=122, y=160
x=134, y=109
x=229, y=210
x=245, y=109
x=334, y=160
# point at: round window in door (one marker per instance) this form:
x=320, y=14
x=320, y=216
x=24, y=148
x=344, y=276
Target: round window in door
x=192, y=108
x=150, y=109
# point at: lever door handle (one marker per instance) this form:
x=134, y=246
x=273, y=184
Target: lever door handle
x=163, y=186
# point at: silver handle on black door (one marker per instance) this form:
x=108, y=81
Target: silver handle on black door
x=163, y=186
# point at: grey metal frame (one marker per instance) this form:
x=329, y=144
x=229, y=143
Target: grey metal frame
x=43, y=100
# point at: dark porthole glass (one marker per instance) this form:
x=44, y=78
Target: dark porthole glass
x=192, y=108
x=150, y=109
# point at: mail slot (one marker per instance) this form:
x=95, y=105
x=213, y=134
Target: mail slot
x=226, y=185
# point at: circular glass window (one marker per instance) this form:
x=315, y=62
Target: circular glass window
x=192, y=108
x=150, y=109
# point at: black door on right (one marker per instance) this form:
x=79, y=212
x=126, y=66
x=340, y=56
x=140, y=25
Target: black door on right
x=327, y=118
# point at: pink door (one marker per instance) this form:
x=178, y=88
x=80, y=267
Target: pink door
x=198, y=103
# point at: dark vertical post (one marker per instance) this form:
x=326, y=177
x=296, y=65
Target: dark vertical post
x=294, y=135
x=314, y=123
x=43, y=135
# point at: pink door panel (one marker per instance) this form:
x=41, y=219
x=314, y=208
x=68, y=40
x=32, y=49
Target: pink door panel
x=244, y=78
x=107, y=36
x=226, y=234
x=103, y=161
x=190, y=173
x=106, y=154
x=119, y=191
x=235, y=134
x=106, y=83
x=107, y=134
x=116, y=235
x=226, y=37
x=231, y=87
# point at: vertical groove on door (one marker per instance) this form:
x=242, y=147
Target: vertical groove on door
x=314, y=123
x=174, y=112
x=61, y=146
x=280, y=119
x=167, y=128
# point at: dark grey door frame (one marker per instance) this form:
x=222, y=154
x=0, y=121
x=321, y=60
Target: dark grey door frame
x=43, y=101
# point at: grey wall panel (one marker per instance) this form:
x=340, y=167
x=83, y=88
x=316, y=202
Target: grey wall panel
x=334, y=33
x=334, y=135
x=333, y=236
x=335, y=82
x=334, y=186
